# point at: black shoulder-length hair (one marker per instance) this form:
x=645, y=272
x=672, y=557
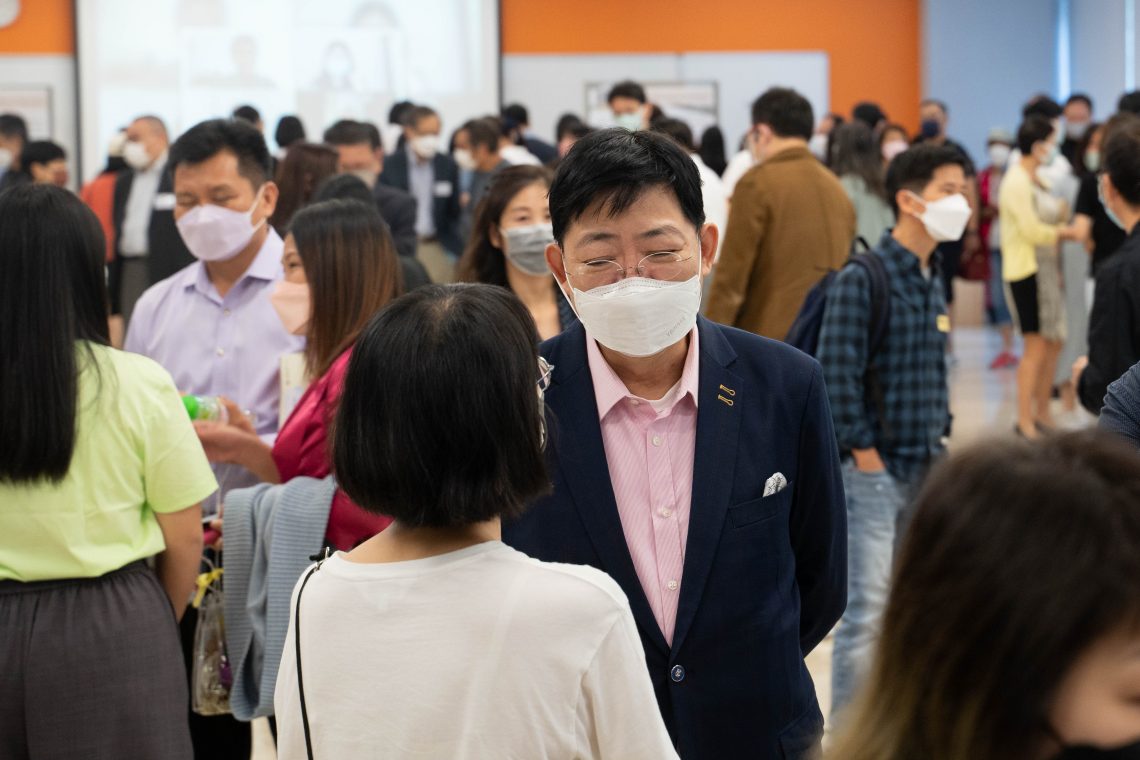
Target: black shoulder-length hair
x=53, y=296
x=440, y=422
x=483, y=261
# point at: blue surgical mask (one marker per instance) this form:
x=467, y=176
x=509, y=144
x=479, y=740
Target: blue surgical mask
x=1100, y=194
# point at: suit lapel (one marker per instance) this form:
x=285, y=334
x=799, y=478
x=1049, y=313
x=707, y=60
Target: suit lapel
x=582, y=458
x=721, y=396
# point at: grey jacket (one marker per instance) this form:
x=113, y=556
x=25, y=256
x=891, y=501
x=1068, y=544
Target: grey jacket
x=271, y=532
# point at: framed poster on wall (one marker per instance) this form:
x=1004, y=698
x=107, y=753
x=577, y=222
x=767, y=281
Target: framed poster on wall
x=31, y=101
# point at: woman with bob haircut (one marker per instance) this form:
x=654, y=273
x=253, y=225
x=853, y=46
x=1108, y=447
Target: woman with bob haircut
x=434, y=639
x=1013, y=627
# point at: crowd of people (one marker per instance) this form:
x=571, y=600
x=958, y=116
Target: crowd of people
x=591, y=441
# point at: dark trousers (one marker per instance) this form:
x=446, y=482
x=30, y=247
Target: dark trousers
x=89, y=669
x=215, y=737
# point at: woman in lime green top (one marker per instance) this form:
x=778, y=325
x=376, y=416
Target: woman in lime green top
x=100, y=470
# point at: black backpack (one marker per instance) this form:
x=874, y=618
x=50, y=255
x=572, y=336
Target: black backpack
x=804, y=333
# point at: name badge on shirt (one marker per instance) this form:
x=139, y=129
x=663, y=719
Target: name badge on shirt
x=443, y=189
x=943, y=323
x=164, y=202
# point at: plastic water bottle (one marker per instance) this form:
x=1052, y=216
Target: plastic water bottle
x=210, y=409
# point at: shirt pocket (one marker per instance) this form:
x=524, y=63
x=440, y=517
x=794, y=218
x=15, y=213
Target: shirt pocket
x=758, y=510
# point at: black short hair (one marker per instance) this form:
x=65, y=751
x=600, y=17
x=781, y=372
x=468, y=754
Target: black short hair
x=403, y=452
x=418, y=114
x=1080, y=97
x=482, y=132
x=676, y=129
x=614, y=167
x=935, y=102
x=1122, y=160
x=787, y=112
x=627, y=89
x=289, y=130
x=347, y=132
x=40, y=152
x=566, y=123
x=914, y=168
x=248, y=113
x=1129, y=102
x=869, y=113
x=13, y=125
x=343, y=187
x=398, y=113
x=1034, y=129
x=517, y=113
x=1042, y=105
x=207, y=139
x=373, y=135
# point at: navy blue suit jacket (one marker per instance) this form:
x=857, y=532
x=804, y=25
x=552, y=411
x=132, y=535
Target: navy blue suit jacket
x=765, y=578
x=445, y=205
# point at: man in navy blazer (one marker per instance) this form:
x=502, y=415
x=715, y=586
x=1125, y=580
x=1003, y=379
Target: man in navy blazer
x=431, y=177
x=760, y=569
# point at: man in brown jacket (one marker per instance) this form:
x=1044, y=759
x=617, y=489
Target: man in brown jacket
x=789, y=223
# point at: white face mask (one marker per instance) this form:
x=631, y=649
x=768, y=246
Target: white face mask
x=630, y=121
x=366, y=176
x=892, y=148
x=999, y=155
x=216, y=233
x=638, y=316
x=425, y=146
x=818, y=146
x=945, y=219
x=526, y=247
x=5, y=158
x=464, y=159
x=134, y=153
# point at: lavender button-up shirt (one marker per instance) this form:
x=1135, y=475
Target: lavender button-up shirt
x=211, y=345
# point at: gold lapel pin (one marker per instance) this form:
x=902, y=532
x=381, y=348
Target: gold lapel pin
x=730, y=392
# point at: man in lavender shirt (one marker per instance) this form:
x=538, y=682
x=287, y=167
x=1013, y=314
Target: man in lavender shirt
x=212, y=325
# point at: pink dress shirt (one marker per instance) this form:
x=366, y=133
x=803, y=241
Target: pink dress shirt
x=649, y=449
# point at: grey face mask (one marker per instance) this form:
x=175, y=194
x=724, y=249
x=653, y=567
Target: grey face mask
x=526, y=247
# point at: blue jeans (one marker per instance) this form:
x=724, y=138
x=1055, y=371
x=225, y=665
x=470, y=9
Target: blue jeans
x=876, y=511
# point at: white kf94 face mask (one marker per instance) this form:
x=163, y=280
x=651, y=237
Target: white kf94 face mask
x=216, y=233
x=945, y=219
x=638, y=316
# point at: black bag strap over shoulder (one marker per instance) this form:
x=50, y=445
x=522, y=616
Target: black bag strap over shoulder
x=297, y=643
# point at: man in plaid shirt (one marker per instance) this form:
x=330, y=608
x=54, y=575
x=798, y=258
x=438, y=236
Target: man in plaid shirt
x=888, y=440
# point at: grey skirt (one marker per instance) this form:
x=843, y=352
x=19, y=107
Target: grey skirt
x=92, y=668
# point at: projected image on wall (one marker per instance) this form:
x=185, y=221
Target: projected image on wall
x=189, y=60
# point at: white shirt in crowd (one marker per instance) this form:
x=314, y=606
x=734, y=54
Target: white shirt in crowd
x=737, y=167
x=715, y=199
x=479, y=653
x=136, y=219
x=517, y=155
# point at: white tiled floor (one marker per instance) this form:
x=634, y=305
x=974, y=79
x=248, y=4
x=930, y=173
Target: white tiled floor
x=983, y=402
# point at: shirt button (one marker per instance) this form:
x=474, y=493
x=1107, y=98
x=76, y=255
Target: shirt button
x=635, y=402
x=666, y=513
x=221, y=352
x=226, y=312
x=677, y=674
x=671, y=585
x=656, y=440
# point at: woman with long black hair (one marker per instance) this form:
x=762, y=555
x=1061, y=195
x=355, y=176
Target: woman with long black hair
x=100, y=470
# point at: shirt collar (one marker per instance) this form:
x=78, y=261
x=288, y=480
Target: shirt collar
x=902, y=258
x=266, y=266
x=609, y=389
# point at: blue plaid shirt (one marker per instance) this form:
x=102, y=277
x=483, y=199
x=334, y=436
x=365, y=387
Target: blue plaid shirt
x=911, y=363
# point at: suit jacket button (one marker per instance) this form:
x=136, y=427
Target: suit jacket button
x=677, y=674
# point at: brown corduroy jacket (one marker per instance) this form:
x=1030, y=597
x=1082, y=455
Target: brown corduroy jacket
x=790, y=222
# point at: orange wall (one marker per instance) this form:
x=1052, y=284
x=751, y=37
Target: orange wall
x=44, y=27
x=873, y=45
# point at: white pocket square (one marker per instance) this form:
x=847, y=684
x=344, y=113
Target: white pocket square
x=775, y=484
